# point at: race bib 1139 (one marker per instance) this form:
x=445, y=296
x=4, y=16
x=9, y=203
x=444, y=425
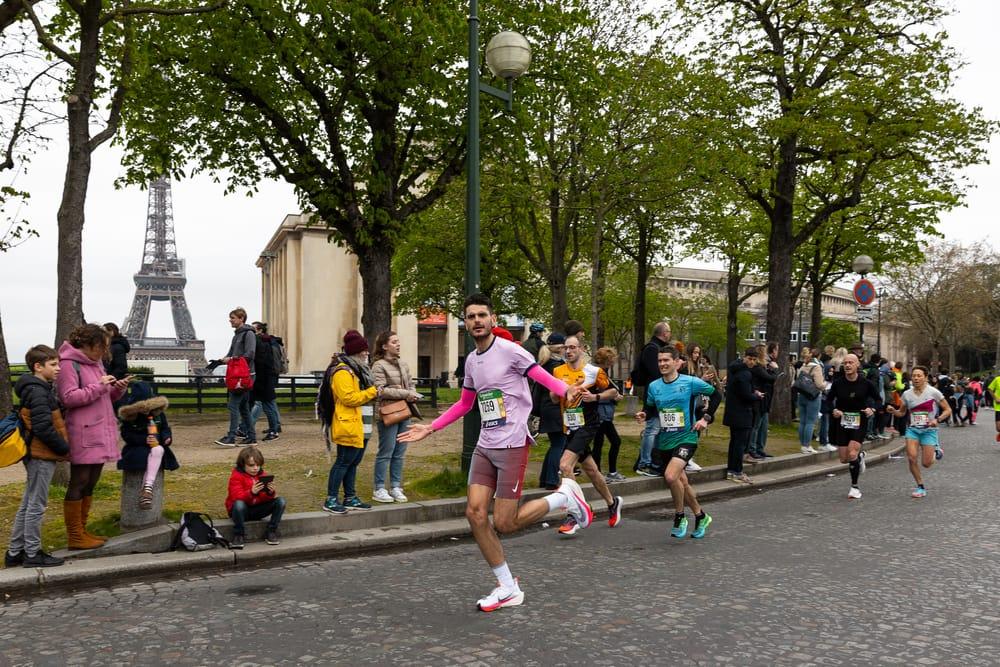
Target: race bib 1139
x=491, y=408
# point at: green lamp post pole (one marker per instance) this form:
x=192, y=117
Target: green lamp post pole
x=508, y=56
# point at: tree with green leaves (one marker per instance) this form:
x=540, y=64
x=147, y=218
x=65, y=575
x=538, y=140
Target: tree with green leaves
x=830, y=92
x=839, y=333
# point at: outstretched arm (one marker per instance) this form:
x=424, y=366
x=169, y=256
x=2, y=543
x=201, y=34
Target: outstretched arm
x=418, y=432
x=550, y=382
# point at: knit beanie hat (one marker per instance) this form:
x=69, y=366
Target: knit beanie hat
x=354, y=342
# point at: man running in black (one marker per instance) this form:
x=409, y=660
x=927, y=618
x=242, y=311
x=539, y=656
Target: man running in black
x=851, y=402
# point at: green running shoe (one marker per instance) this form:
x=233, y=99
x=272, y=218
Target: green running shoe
x=701, y=526
x=680, y=528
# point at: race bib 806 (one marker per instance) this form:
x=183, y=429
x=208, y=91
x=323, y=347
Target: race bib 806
x=672, y=420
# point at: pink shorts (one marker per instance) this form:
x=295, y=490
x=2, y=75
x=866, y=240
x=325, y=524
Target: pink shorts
x=501, y=470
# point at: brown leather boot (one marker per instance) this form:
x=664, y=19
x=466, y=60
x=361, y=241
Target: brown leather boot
x=84, y=513
x=76, y=538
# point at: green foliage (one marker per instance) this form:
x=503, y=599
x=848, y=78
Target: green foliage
x=708, y=326
x=446, y=484
x=839, y=333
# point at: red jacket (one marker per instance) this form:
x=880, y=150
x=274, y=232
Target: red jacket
x=240, y=484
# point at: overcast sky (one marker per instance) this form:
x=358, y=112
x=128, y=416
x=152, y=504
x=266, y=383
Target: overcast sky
x=221, y=236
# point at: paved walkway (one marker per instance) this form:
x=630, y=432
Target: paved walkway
x=796, y=575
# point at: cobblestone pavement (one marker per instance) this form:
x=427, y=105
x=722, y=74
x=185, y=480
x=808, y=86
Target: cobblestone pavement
x=794, y=576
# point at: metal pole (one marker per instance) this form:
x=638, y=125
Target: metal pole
x=470, y=425
x=878, y=335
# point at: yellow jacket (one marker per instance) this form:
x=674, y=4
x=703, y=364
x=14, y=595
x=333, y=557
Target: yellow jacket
x=352, y=412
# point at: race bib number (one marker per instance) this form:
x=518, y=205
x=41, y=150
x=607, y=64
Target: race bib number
x=672, y=420
x=851, y=420
x=573, y=417
x=920, y=419
x=491, y=408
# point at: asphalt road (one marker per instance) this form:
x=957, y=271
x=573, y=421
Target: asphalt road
x=798, y=575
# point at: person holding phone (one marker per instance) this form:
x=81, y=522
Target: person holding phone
x=252, y=497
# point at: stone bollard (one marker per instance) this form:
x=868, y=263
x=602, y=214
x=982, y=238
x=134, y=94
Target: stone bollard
x=134, y=518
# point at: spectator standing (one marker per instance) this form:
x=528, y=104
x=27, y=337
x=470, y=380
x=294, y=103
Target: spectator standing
x=392, y=378
x=244, y=344
x=808, y=406
x=763, y=375
x=266, y=364
x=605, y=359
x=87, y=393
x=534, y=343
x=740, y=399
x=47, y=445
x=549, y=413
x=354, y=391
x=118, y=350
x=646, y=370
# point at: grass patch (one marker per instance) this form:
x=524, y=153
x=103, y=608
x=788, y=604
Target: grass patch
x=446, y=484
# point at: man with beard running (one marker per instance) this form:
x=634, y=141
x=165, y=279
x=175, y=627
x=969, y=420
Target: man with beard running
x=675, y=397
x=851, y=402
x=580, y=422
x=496, y=377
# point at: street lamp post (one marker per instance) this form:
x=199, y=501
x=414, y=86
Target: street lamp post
x=862, y=264
x=508, y=55
x=878, y=334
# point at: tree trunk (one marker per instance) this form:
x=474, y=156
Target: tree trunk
x=376, y=281
x=816, y=315
x=597, y=284
x=69, y=263
x=5, y=386
x=642, y=275
x=951, y=357
x=732, y=309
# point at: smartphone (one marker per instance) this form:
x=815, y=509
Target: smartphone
x=265, y=479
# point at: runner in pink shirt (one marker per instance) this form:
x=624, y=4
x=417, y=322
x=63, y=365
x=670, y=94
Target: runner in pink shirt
x=496, y=377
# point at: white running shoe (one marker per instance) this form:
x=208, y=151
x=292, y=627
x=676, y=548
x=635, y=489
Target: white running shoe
x=577, y=506
x=398, y=495
x=854, y=493
x=382, y=496
x=692, y=466
x=829, y=447
x=861, y=458
x=501, y=597
x=807, y=450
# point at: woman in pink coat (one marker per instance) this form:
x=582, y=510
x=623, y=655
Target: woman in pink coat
x=87, y=392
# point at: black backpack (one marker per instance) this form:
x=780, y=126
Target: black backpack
x=325, y=403
x=195, y=534
x=638, y=375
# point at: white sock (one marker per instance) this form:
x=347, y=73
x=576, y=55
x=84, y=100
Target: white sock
x=503, y=575
x=556, y=501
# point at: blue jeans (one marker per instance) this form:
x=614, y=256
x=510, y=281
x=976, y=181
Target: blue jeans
x=758, y=436
x=824, y=428
x=241, y=513
x=550, y=466
x=649, y=433
x=390, y=454
x=270, y=410
x=345, y=471
x=808, y=412
x=239, y=415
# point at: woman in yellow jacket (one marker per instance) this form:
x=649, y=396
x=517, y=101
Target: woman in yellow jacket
x=354, y=392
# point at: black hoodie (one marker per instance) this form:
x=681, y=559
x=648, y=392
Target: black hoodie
x=39, y=397
x=739, y=396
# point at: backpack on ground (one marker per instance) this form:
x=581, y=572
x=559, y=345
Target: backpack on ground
x=279, y=357
x=238, y=376
x=13, y=439
x=198, y=533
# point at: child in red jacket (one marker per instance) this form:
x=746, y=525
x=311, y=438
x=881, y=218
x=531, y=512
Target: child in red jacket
x=252, y=497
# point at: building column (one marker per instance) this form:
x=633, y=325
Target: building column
x=451, y=345
x=405, y=327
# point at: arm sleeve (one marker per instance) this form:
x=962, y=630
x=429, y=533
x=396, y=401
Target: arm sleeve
x=382, y=382
x=165, y=431
x=41, y=422
x=744, y=388
x=344, y=391
x=249, y=346
x=547, y=380
x=714, y=399
x=72, y=395
x=457, y=410
x=831, y=398
x=236, y=489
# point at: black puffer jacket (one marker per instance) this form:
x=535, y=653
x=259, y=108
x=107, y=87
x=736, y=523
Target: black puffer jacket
x=118, y=349
x=39, y=397
x=739, y=396
x=267, y=375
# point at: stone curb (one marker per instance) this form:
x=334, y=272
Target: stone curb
x=387, y=527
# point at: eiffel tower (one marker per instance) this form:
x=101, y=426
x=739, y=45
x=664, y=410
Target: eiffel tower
x=161, y=278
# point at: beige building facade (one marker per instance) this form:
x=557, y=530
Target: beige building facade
x=312, y=294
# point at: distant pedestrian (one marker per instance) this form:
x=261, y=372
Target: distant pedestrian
x=87, y=393
x=811, y=385
x=764, y=373
x=266, y=364
x=243, y=346
x=118, y=349
x=534, y=343
x=392, y=377
x=740, y=399
x=354, y=393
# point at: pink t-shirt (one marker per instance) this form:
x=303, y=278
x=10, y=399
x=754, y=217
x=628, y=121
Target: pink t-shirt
x=498, y=378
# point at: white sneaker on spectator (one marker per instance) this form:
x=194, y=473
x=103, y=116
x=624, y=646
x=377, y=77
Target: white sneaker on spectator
x=382, y=496
x=808, y=450
x=829, y=447
x=398, y=495
x=692, y=466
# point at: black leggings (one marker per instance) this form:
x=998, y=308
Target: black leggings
x=82, y=480
x=607, y=428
